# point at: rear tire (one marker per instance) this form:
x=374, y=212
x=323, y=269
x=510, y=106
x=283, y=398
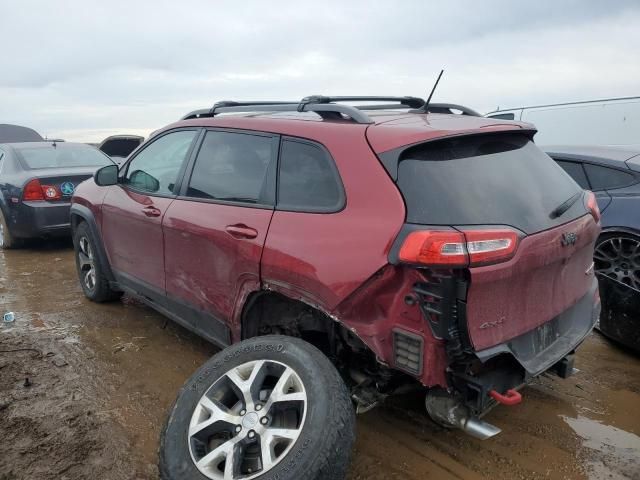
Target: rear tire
x=617, y=256
x=93, y=281
x=7, y=240
x=272, y=394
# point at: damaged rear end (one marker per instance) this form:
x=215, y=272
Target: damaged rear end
x=500, y=241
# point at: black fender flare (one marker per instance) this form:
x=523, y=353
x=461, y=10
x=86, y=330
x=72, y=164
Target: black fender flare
x=78, y=212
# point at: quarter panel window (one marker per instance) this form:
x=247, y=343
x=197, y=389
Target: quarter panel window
x=308, y=179
x=232, y=167
x=576, y=172
x=603, y=178
x=155, y=169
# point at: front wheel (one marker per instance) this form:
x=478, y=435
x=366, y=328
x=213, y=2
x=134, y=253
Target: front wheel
x=93, y=281
x=268, y=408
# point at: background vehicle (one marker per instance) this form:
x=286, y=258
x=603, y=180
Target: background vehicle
x=118, y=147
x=15, y=133
x=381, y=235
x=37, y=180
x=614, y=175
x=617, y=122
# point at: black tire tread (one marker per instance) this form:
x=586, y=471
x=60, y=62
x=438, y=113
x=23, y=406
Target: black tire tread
x=103, y=291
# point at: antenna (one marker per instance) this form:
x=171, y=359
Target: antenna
x=425, y=108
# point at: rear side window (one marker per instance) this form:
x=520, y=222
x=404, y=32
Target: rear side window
x=576, y=171
x=308, y=179
x=232, y=167
x=603, y=178
x=499, y=179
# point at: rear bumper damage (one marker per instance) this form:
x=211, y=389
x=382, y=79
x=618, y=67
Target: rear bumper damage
x=544, y=346
x=507, y=367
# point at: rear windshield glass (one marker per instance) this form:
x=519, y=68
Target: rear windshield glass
x=502, y=179
x=61, y=156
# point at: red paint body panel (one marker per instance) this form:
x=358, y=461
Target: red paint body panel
x=325, y=257
x=541, y=281
x=378, y=307
x=205, y=265
x=134, y=241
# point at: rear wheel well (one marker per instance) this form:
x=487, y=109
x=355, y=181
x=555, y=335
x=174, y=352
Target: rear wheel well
x=267, y=313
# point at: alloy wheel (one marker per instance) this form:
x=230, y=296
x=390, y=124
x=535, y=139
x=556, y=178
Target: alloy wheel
x=87, y=264
x=618, y=258
x=1, y=234
x=247, y=421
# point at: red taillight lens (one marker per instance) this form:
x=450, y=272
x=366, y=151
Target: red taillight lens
x=592, y=205
x=434, y=247
x=35, y=191
x=454, y=248
x=32, y=191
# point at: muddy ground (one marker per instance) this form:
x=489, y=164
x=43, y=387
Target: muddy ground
x=84, y=389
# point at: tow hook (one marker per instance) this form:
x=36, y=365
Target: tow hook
x=512, y=397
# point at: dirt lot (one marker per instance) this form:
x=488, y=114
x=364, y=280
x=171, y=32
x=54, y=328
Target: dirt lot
x=84, y=389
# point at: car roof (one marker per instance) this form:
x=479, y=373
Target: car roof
x=612, y=156
x=18, y=133
x=390, y=128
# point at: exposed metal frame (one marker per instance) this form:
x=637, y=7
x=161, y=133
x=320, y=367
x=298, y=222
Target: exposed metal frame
x=330, y=108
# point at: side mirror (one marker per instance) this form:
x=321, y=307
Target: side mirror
x=106, y=176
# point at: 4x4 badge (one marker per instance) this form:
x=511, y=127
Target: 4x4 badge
x=569, y=238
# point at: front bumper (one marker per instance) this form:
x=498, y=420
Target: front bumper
x=40, y=219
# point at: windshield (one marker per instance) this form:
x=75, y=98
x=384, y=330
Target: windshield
x=499, y=179
x=61, y=156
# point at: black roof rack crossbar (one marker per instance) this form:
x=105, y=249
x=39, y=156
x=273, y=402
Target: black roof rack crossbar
x=327, y=107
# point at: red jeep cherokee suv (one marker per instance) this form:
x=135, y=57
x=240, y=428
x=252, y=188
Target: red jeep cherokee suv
x=406, y=243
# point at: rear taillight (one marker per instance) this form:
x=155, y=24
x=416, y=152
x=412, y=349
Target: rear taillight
x=592, y=205
x=34, y=191
x=459, y=248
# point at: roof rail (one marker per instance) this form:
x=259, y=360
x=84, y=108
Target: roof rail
x=327, y=107
x=447, y=109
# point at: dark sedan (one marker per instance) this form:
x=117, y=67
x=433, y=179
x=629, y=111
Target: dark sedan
x=37, y=180
x=613, y=174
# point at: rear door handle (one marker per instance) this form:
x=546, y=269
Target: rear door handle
x=151, y=211
x=241, y=231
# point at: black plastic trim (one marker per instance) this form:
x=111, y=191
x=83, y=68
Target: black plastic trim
x=87, y=215
x=198, y=321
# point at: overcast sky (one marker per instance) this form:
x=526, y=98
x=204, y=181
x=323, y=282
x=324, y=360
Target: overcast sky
x=82, y=70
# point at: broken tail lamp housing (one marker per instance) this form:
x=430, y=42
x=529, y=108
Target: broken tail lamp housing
x=459, y=248
x=592, y=205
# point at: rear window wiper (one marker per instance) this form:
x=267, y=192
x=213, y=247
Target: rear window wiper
x=564, y=206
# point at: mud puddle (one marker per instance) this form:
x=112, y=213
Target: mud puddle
x=102, y=377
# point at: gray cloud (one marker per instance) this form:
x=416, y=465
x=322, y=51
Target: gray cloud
x=85, y=69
